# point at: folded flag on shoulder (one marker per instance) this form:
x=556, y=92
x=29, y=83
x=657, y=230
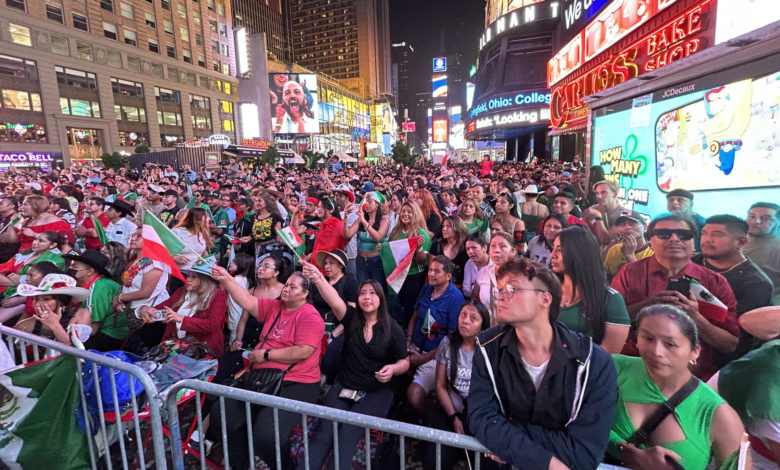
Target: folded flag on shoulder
x=161, y=244
x=396, y=259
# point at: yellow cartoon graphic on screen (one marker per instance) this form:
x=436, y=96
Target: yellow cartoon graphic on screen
x=728, y=115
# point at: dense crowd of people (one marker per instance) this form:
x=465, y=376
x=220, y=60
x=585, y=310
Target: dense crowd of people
x=537, y=313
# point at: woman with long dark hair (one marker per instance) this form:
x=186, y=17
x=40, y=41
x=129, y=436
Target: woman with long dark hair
x=45, y=247
x=540, y=246
x=453, y=378
x=588, y=304
x=371, y=227
x=374, y=352
x=508, y=220
x=329, y=236
x=452, y=244
x=193, y=230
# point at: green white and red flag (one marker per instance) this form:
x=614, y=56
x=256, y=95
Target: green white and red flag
x=101, y=232
x=396, y=259
x=709, y=306
x=161, y=244
x=290, y=237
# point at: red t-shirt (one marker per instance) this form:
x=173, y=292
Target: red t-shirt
x=93, y=243
x=486, y=167
x=300, y=326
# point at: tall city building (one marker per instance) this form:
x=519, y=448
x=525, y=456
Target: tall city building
x=402, y=62
x=346, y=39
x=82, y=78
x=265, y=16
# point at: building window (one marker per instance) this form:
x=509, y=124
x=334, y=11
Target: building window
x=192, y=79
x=22, y=100
x=14, y=67
x=23, y=132
x=226, y=50
x=165, y=4
x=215, y=46
x=20, y=34
x=184, y=33
x=196, y=17
x=204, y=82
x=228, y=126
x=201, y=124
x=151, y=21
x=80, y=22
x=164, y=95
x=187, y=56
x=182, y=11
x=201, y=102
x=109, y=30
x=226, y=106
x=168, y=27
x=173, y=73
x=78, y=107
x=76, y=83
x=217, y=66
x=223, y=30
x=198, y=39
x=107, y=5
x=213, y=26
x=59, y=45
x=126, y=10
x=114, y=59
x=226, y=69
x=154, y=46
x=84, y=51
x=210, y=4
x=201, y=61
x=54, y=13
x=134, y=63
x=221, y=9
x=171, y=51
x=16, y=4
x=156, y=70
x=131, y=38
x=127, y=88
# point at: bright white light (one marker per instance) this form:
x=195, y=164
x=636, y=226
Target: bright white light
x=242, y=51
x=250, y=121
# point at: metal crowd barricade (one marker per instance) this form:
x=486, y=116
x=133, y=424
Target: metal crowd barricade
x=403, y=430
x=119, y=425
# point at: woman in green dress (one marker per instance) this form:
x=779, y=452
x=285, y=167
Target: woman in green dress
x=702, y=426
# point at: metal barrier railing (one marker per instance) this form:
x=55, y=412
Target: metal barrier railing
x=403, y=430
x=120, y=426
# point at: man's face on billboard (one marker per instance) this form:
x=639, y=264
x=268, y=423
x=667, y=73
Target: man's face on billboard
x=293, y=95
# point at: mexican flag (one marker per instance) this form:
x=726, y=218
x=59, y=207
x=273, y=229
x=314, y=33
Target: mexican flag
x=430, y=326
x=290, y=237
x=161, y=244
x=38, y=426
x=396, y=258
x=709, y=306
x=101, y=232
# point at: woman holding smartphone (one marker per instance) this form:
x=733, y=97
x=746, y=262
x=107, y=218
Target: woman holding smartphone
x=374, y=352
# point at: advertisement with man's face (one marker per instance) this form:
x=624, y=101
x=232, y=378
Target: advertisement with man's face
x=294, y=103
x=720, y=142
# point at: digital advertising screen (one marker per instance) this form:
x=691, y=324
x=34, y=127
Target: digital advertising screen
x=440, y=130
x=719, y=141
x=439, y=86
x=294, y=103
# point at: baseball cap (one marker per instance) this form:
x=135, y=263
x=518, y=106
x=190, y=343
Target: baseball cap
x=627, y=214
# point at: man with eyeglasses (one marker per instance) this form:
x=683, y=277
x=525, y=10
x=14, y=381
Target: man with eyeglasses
x=763, y=245
x=86, y=228
x=652, y=281
x=541, y=395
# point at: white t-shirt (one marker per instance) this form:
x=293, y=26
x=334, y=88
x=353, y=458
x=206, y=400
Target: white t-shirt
x=235, y=310
x=463, y=375
x=536, y=372
x=470, y=272
x=195, y=242
x=538, y=251
x=486, y=280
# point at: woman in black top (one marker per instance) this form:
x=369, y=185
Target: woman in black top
x=334, y=265
x=452, y=244
x=374, y=351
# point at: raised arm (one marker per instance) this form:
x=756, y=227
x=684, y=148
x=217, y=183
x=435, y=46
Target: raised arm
x=326, y=290
x=242, y=296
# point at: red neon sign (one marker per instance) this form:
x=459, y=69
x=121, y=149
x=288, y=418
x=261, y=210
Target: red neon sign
x=615, y=22
x=674, y=40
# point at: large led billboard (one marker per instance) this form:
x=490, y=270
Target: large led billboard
x=712, y=138
x=439, y=86
x=440, y=130
x=294, y=103
x=497, y=8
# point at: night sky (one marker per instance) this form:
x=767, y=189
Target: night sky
x=423, y=22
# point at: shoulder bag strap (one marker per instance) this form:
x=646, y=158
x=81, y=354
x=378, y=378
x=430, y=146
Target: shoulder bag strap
x=642, y=435
x=269, y=332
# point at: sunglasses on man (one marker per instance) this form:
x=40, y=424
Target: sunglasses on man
x=666, y=233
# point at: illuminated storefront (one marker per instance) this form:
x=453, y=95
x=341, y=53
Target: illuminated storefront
x=692, y=103
x=511, y=98
x=345, y=121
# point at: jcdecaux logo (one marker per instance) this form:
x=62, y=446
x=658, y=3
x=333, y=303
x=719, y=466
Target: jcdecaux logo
x=502, y=103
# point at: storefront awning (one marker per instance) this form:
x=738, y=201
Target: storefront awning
x=569, y=130
x=344, y=157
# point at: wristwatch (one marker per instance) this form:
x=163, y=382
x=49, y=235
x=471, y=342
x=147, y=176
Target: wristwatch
x=266, y=352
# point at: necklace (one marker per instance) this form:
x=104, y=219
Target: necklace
x=720, y=271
